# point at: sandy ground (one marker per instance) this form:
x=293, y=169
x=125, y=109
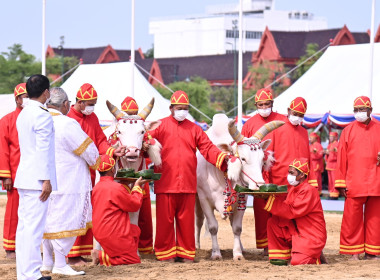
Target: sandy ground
x=254, y=266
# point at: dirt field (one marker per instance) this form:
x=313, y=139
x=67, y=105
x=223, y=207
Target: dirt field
x=254, y=265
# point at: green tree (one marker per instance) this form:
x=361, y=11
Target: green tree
x=150, y=52
x=198, y=91
x=54, y=66
x=15, y=67
x=311, y=49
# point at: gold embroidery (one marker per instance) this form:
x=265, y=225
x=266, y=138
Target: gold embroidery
x=78, y=151
x=68, y=233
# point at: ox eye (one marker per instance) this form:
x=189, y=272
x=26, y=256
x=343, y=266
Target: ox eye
x=243, y=159
x=142, y=132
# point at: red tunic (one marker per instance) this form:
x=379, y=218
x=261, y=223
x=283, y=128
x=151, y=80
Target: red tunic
x=261, y=216
x=332, y=157
x=316, y=163
x=9, y=160
x=90, y=125
x=304, y=207
x=288, y=143
x=180, y=141
x=111, y=225
x=357, y=157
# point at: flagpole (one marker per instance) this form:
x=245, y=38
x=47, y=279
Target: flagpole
x=372, y=43
x=133, y=49
x=240, y=69
x=43, y=57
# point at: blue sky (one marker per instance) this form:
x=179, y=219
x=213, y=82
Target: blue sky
x=91, y=23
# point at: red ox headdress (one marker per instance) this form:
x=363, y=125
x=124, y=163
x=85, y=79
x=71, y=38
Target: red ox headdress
x=20, y=89
x=263, y=94
x=179, y=98
x=129, y=105
x=106, y=163
x=298, y=105
x=333, y=133
x=301, y=164
x=362, y=101
x=87, y=92
x=313, y=134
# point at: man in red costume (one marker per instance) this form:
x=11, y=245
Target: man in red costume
x=9, y=160
x=316, y=157
x=331, y=161
x=145, y=222
x=358, y=178
x=111, y=224
x=302, y=236
x=290, y=141
x=176, y=190
x=264, y=105
x=83, y=112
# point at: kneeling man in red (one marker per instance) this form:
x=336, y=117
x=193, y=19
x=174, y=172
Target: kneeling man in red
x=111, y=203
x=297, y=229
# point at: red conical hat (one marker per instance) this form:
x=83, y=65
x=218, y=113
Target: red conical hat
x=87, y=92
x=362, y=101
x=20, y=89
x=301, y=164
x=129, y=105
x=179, y=98
x=298, y=105
x=263, y=94
x=106, y=163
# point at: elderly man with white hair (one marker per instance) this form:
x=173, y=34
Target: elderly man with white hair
x=70, y=210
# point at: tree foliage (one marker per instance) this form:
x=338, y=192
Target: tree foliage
x=198, y=91
x=149, y=53
x=16, y=66
x=311, y=49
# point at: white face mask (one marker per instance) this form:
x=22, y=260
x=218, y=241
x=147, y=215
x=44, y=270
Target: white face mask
x=88, y=110
x=292, y=180
x=294, y=120
x=25, y=102
x=361, y=116
x=264, y=112
x=180, y=115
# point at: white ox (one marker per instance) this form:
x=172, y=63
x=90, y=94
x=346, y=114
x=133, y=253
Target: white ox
x=245, y=171
x=129, y=130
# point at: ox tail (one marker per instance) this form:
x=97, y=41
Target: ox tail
x=269, y=160
x=154, y=153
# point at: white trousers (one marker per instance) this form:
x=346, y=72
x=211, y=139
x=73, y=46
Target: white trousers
x=30, y=229
x=61, y=248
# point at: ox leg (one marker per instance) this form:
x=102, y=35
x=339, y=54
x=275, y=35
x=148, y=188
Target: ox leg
x=213, y=228
x=199, y=218
x=134, y=219
x=236, y=221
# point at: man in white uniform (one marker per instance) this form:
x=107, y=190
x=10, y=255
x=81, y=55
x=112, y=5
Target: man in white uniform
x=70, y=211
x=35, y=177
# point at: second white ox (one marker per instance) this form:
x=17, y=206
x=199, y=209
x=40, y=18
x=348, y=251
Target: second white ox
x=245, y=171
x=129, y=131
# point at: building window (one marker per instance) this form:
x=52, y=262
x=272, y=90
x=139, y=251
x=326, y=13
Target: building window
x=253, y=35
x=231, y=33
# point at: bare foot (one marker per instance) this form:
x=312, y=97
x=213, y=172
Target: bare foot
x=183, y=260
x=188, y=261
x=370, y=257
x=95, y=256
x=76, y=261
x=354, y=258
x=265, y=251
x=10, y=254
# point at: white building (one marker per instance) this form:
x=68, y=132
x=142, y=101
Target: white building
x=213, y=33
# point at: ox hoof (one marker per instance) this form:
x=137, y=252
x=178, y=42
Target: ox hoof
x=239, y=258
x=216, y=258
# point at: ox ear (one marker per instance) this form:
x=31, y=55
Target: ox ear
x=264, y=145
x=225, y=148
x=152, y=125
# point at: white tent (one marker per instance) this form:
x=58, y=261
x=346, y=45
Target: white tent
x=335, y=80
x=7, y=104
x=111, y=81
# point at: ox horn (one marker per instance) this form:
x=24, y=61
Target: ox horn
x=114, y=110
x=235, y=134
x=144, y=113
x=266, y=128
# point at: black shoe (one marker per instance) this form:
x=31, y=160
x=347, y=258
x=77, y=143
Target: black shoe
x=333, y=198
x=45, y=278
